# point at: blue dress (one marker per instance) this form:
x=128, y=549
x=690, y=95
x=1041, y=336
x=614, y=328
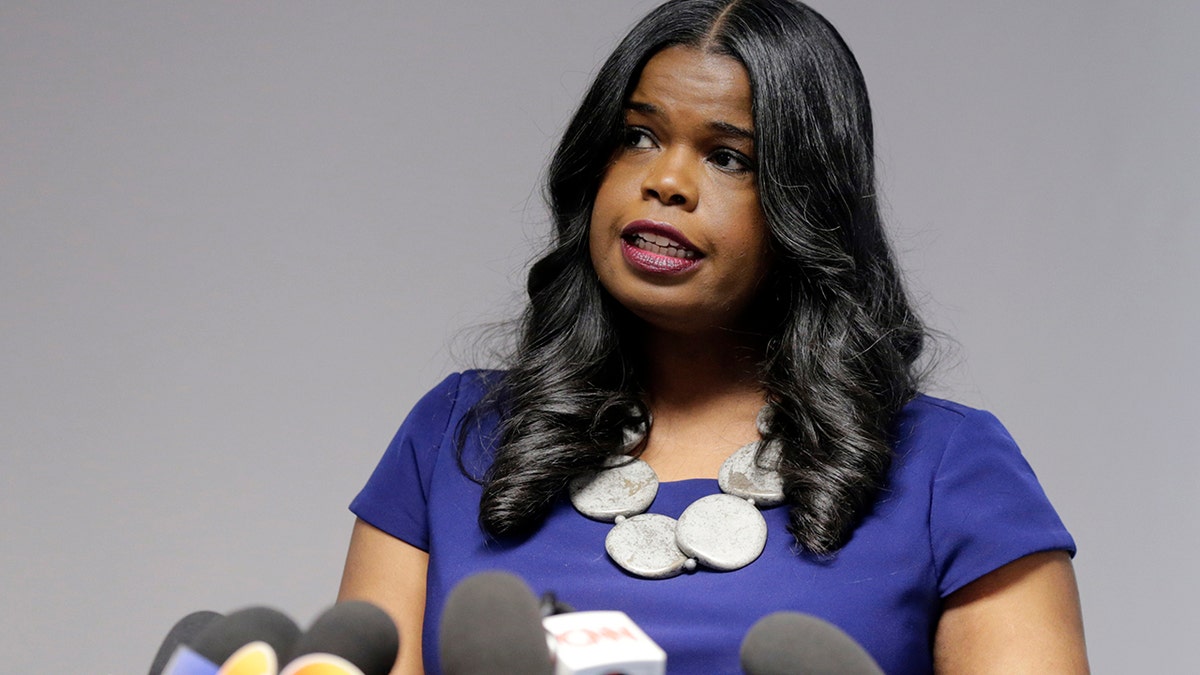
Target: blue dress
x=960, y=502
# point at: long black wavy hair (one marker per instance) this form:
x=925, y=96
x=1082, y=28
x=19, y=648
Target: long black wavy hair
x=841, y=336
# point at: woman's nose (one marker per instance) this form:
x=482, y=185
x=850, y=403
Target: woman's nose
x=671, y=181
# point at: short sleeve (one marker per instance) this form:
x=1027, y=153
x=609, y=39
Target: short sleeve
x=988, y=508
x=395, y=496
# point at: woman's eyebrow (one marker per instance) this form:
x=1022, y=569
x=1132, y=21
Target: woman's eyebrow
x=644, y=108
x=725, y=128
x=732, y=130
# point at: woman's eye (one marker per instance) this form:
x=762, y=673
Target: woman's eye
x=637, y=137
x=733, y=162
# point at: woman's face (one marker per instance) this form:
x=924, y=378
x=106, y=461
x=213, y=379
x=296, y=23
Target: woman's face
x=677, y=232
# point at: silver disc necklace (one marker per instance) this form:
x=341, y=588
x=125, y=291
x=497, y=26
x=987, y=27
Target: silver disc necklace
x=722, y=532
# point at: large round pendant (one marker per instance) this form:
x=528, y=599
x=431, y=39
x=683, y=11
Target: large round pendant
x=645, y=545
x=722, y=532
x=750, y=474
x=626, y=486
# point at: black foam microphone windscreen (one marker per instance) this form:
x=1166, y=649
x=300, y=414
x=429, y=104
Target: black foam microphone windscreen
x=225, y=636
x=791, y=643
x=185, y=631
x=492, y=624
x=354, y=631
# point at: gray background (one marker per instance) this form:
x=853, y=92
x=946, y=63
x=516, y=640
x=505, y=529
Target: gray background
x=240, y=239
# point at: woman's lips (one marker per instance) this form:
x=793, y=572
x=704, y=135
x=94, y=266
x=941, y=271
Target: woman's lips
x=658, y=248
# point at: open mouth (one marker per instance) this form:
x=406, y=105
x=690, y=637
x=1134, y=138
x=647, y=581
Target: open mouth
x=660, y=245
x=658, y=248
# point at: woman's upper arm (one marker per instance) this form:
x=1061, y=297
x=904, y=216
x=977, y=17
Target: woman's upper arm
x=1021, y=618
x=390, y=573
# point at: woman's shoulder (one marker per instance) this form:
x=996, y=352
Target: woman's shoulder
x=930, y=416
x=461, y=389
x=434, y=418
x=934, y=407
x=482, y=378
x=939, y=433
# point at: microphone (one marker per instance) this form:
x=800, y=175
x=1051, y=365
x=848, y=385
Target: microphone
x=184, y=630
x=492, y=624
x=247, y=642
x=350, y=638
x=791, y=643
x=600, y=643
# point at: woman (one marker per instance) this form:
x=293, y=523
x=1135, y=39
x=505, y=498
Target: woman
x=720, y=281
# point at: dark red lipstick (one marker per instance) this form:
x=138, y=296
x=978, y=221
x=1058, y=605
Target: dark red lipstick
x=658, y=248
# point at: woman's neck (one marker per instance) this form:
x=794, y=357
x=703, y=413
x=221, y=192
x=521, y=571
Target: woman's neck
x=704, y=392
x=686, y=369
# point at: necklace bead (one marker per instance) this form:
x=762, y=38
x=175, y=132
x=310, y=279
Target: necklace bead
x=750, y=473
x=645, y=545
x=722, y=532
x=625, y=487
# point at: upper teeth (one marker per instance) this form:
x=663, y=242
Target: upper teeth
x=658, y=239
x=656, y=243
